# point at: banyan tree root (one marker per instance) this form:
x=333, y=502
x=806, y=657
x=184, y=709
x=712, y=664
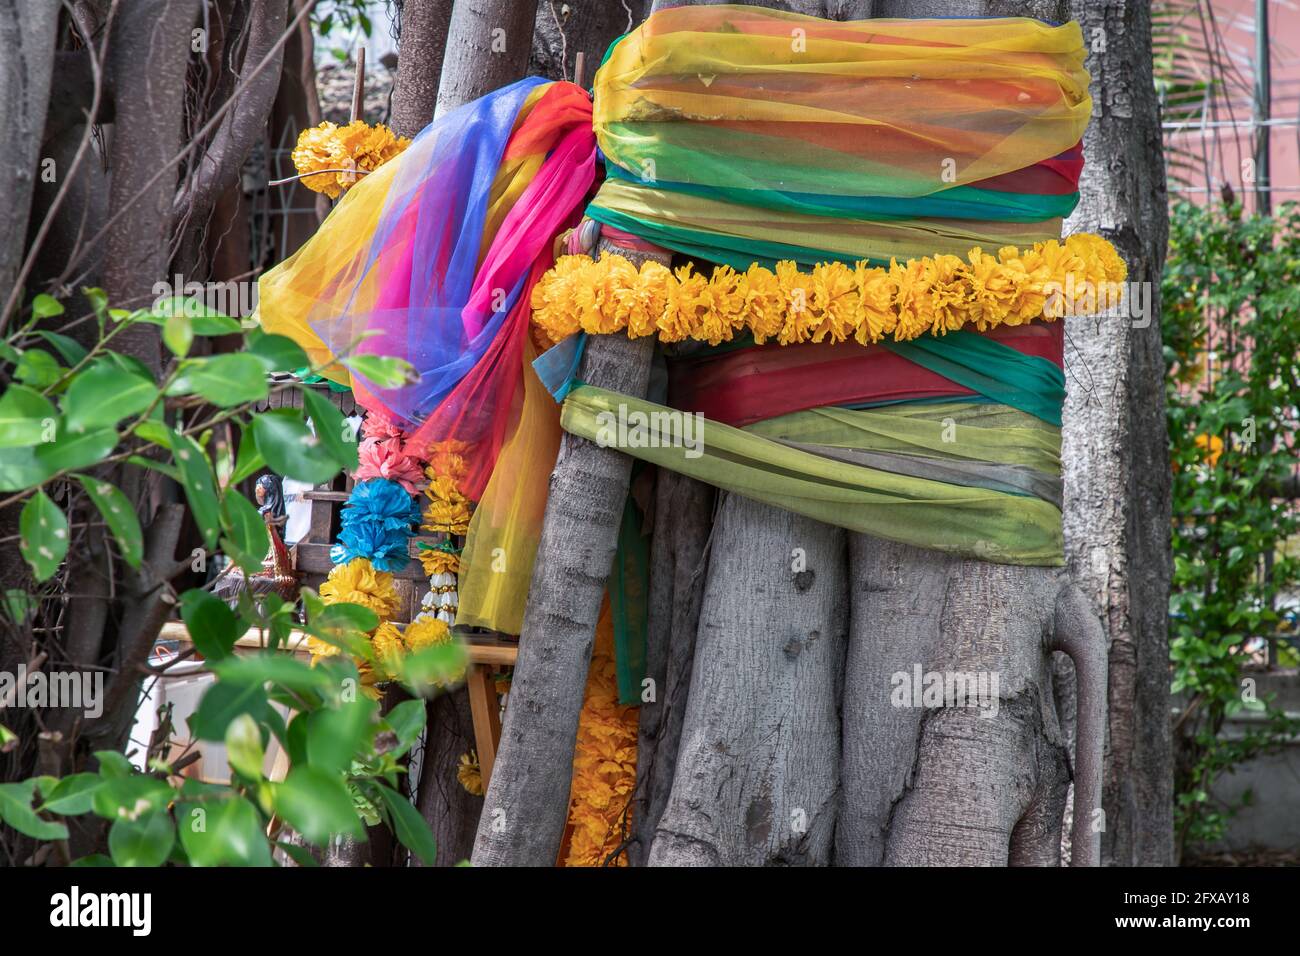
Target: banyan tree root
x=977, y=773
x=779, y=764
x=757, y=771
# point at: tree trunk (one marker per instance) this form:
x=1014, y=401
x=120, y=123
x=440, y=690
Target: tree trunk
x=563, y=30
x=1116, y=450
x=487, y=48
x=27, y=39
x=683, y=522
x=420, y=51
x=527, y=799
x=451, y=810
x=147, y=59
x=757, y=779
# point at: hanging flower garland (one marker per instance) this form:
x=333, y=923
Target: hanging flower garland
x=377, y=524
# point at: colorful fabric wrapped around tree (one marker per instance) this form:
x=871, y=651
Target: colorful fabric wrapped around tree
x=884, y=199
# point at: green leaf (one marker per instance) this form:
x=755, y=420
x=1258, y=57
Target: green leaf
x=38, y=369
x=277, y=353
x=45, y=306
x=203, y=320
x=113, y=765
x=406, y=720
x=317, y=805
x=178, y=334
x=73, y=795
x=300, y=855
x=72, y=351
x=383, y=372
x=73, y=451
x=335, y=433
x=130, y=797
x=277, y=667
x=222, y=703
x=20, y=469
x=223, y=833
x=244, y=746
x=42, y=535
x=409, y=826
x=335, y=735
x=16, y=810
x=145, y=841
x=26, y=417
x=223, y=380
x=345, y=626
x=249, y=460
x=102, y=395
x=290, y=449
x=118, y=514
x=213, y=627
x=246, y=539
x=200, y=487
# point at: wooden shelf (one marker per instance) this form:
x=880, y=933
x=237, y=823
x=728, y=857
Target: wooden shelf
x=490, y=651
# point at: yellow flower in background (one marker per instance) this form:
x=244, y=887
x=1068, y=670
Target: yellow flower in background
x=428, y=631
x=1212, y=446
x=354, y=146
x=321, y=649
x=357, y=582
x=388, y=646
x=469, y=774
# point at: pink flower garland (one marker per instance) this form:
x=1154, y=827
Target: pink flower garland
x=382, y=454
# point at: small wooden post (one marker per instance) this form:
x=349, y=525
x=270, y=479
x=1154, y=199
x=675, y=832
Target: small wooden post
x=579, y=63
x=359, y=86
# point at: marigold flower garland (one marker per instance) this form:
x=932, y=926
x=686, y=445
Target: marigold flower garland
x=834, y=302
x=354, y=146
x=604, y=761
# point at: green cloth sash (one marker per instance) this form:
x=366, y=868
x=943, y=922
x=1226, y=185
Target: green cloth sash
x=971, y=521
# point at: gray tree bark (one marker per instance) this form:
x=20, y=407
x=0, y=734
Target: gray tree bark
x=27, y=39
x=757, y=779
x=526, y=802
x=1116, y=450
x=420, y=52
x=487, y=48
x=563, y=30
x=683, y=522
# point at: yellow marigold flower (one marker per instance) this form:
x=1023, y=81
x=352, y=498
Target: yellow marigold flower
x=357, y=582
x=801, y=316
x=427, y=631
x=387, y=645
x=355, y=146
x=682, y=309
x=436, y=561
x=321, y=649
x=835, y=298
x=469, y=774
x=765, y=303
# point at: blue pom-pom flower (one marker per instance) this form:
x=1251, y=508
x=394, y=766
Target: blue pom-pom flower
x=377, y=524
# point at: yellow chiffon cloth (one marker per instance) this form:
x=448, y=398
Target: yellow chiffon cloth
x=333, y=264
x=497, y=562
